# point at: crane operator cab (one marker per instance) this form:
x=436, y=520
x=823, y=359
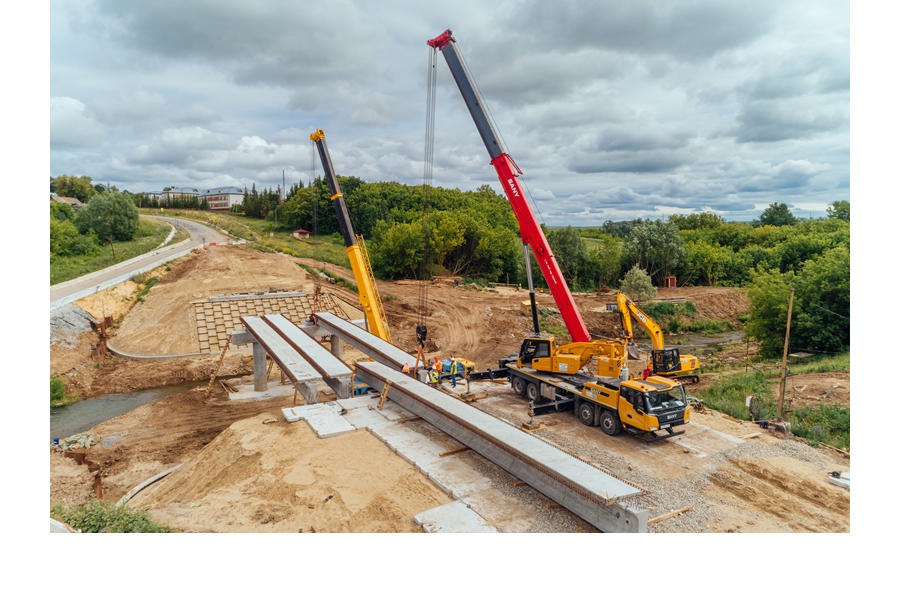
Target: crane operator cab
x=534, y=347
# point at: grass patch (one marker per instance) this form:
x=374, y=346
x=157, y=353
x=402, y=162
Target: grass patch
x=58, y=395
x=269, y=237
x=149, y=283
x=706, y=327
x=96, y=516
x=828, y=424
x=553, y=328
x=729, y=395
x=148, y=236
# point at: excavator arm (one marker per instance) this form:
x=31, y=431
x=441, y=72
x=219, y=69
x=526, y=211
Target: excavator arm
x=355, y=247
x=627, y=309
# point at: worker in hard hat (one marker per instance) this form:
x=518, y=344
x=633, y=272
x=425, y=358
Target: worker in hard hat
x=405, y=369
x=454, y=370
x=433, y=376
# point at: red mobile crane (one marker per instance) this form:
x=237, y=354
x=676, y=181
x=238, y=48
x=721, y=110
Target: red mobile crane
x=546, y=374
x=508, y=172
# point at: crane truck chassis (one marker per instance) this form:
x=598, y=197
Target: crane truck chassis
x=647, y=407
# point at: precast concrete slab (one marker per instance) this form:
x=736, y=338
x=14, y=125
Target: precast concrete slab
x=362, y=411
x=324, y=418
x=368, y=343
x=583, y=489
x=292, y=363
x=453, y=517
x=334, y=371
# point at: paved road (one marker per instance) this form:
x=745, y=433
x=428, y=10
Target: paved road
x=69, y=291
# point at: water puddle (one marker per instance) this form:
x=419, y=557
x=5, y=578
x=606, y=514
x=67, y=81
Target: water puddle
x=82, y=415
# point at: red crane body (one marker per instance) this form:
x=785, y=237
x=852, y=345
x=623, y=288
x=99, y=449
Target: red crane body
x=508, y=173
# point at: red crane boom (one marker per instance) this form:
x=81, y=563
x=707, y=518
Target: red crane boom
x=508, y=173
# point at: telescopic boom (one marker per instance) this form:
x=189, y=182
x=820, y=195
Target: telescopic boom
x=508, y=173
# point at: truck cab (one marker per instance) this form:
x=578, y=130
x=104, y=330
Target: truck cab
x=648, y=405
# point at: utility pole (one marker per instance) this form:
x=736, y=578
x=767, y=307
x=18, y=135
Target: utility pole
x=787, y=336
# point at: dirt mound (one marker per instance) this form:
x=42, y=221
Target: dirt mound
x=265, y=475
x=783, y=486
x=217, y=270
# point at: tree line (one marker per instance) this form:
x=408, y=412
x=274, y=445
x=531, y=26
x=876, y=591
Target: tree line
x=419, y=231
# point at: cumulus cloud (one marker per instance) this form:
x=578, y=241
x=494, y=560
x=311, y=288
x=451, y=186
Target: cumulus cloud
x=612, y=109
x=72, y=125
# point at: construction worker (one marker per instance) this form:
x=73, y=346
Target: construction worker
x=437, y=365
x=453, y=370
x=405, y=369
x=433, y=376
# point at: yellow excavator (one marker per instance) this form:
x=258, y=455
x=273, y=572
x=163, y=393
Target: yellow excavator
x=355, y=248
x=667, y=362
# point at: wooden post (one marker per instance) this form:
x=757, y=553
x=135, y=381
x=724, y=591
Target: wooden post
x=787, y=335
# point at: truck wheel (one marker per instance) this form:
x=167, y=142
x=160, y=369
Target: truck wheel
x=518, y=385
x=531, y=392
x=585, y=413
x=610, y=423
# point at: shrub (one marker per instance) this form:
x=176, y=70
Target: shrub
x=637, y=284
x=97, y=516
x=57, y=389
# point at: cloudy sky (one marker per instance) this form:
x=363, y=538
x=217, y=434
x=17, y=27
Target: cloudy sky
x=614, y=110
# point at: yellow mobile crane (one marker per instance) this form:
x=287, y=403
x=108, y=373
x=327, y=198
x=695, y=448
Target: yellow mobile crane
x=668, y=362
x=356, y=248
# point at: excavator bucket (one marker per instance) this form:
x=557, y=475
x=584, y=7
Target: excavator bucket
x=633, y=353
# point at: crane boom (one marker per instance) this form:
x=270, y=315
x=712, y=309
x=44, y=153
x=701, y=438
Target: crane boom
x=355, y=247
x=508, y=173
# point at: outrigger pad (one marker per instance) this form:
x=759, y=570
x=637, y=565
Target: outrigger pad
x=653, y=436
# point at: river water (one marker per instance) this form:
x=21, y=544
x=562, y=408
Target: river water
x=84, y=414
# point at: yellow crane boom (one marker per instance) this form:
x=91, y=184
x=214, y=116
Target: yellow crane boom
x=355, y=247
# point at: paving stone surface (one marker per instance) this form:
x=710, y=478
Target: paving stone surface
x=217, y=317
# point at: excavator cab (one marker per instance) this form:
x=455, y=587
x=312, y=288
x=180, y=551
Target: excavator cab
x=666, y=361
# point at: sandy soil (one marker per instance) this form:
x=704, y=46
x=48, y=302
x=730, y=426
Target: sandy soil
x=245, y=469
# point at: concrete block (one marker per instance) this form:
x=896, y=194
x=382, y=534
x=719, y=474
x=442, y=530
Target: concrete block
x=324, y=418
x=454, y=517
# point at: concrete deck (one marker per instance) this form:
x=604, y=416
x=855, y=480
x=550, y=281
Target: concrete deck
x=583, y=489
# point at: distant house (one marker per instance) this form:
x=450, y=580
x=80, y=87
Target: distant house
x=300, y=234
x=223, y=198
x=75, y=203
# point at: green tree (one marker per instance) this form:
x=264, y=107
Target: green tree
x=701, y=220
x=823, y=292
x=656, y=247
x=111, y=215
x=397, y=249
x=839, y=209
x=777, y=214
x=637, y=285
x=445, y=234
x=769, y=295
x=572, y=256
x=606, y=258
x=705, y=263
x=61, y=211
x=71, y=186
x=66, y=241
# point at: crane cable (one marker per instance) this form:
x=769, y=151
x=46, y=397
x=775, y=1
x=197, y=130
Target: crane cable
x=428, y=176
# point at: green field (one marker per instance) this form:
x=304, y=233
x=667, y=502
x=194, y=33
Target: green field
x=149, y=235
